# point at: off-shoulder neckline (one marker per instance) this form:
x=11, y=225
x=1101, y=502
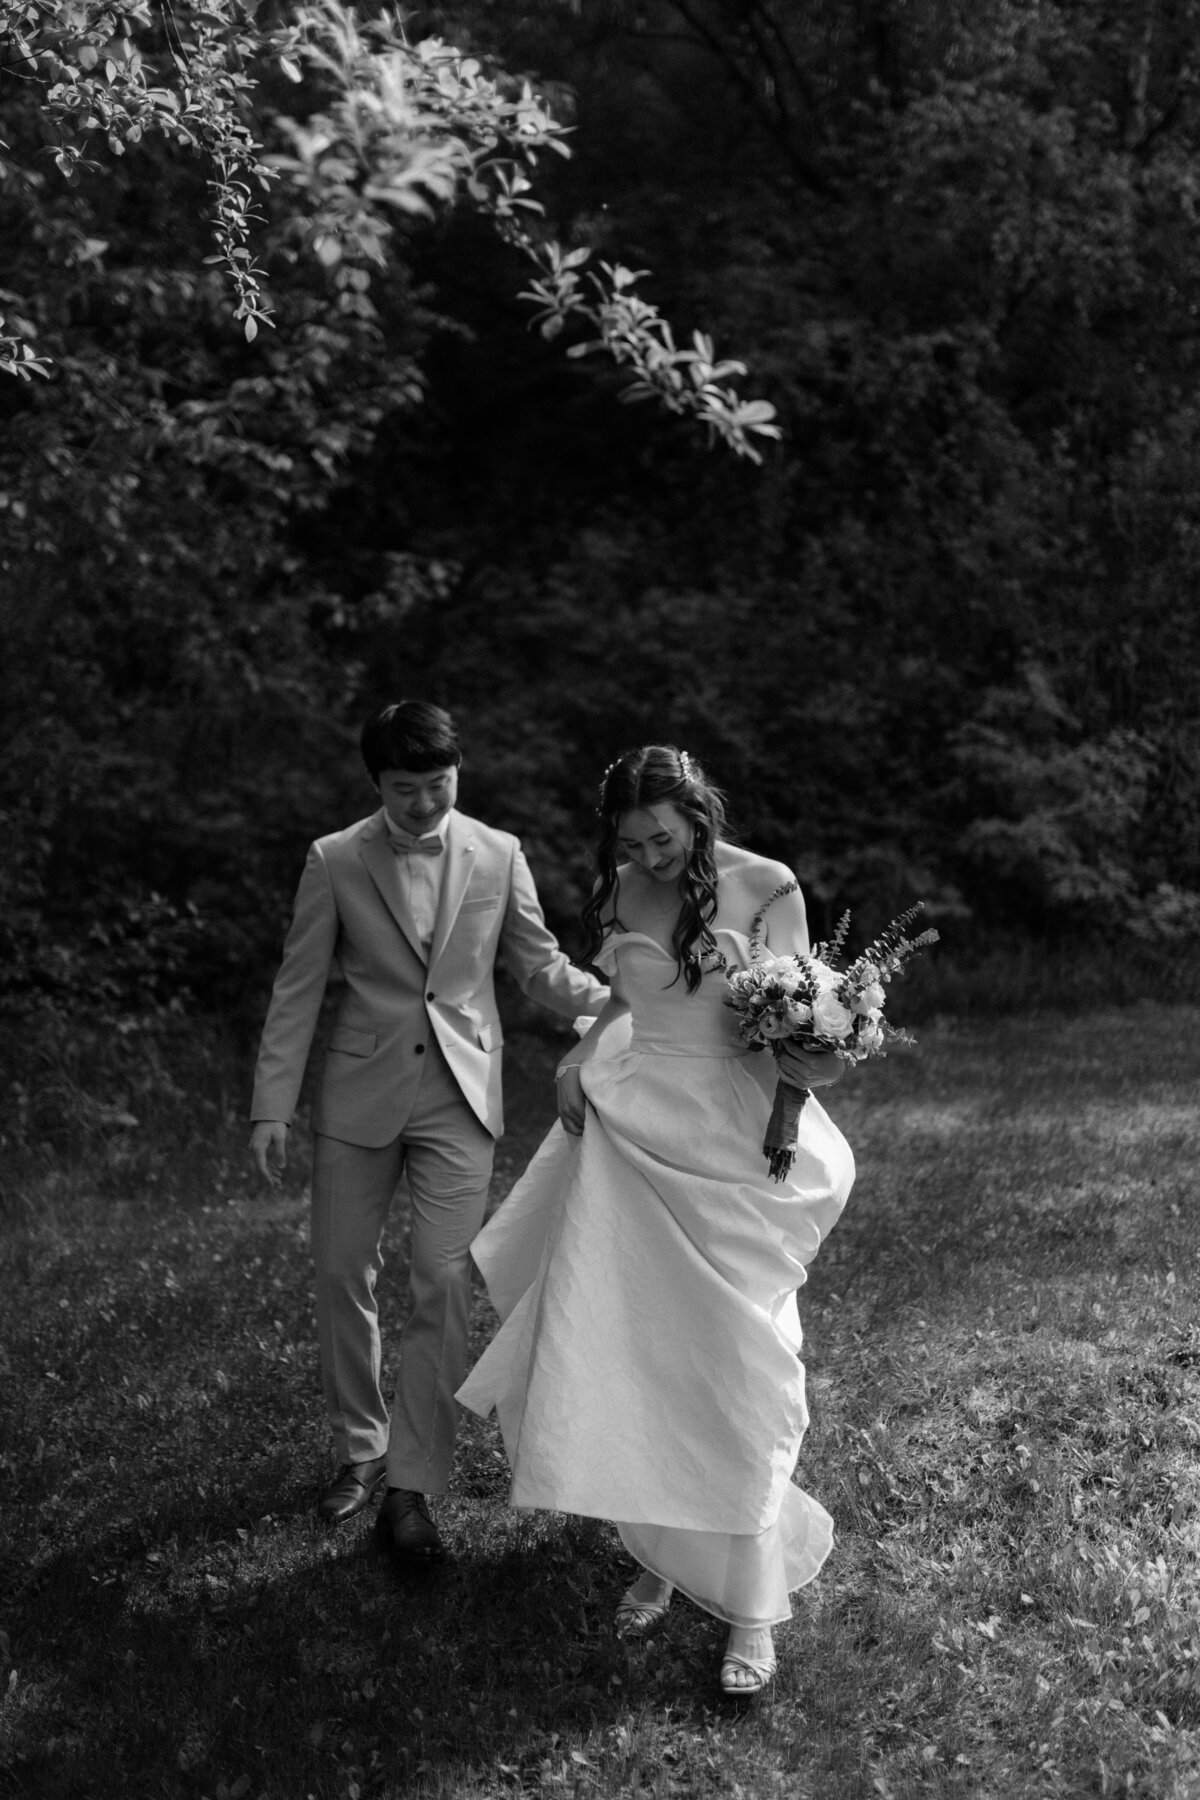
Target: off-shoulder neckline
x=623, y=936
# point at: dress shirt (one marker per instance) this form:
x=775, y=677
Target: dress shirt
x=419, y=879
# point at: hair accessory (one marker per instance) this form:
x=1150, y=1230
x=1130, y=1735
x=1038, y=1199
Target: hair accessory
x=606, y=774
x=686, y=766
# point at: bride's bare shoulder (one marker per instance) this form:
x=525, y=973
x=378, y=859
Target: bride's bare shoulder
x=758, y=876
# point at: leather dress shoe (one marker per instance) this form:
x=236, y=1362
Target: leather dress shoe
x=404, y=1525
x=353, y=1487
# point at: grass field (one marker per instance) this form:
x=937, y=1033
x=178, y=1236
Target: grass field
x=1003, y=1346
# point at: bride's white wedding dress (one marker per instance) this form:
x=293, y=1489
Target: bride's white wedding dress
x=647, y=1367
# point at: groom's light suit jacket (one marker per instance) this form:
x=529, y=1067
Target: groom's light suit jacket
x=352, y=931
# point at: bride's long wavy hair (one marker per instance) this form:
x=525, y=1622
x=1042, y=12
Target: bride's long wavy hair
x=661, y=775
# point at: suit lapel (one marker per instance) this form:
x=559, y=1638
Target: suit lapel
x=460, y=860
x=379, y=860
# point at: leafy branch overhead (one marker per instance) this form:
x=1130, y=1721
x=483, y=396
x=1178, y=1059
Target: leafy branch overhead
x=401, y=130
x=101, y=92
x=409, y=127
x=634, y=333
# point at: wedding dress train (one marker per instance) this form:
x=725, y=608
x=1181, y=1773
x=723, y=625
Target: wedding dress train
x=647, y=1368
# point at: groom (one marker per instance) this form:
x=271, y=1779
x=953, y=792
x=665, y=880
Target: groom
x=406, y=913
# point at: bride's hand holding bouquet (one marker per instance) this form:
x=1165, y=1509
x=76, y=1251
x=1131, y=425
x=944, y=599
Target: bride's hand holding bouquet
x=806, y=1069
x=804, y=1008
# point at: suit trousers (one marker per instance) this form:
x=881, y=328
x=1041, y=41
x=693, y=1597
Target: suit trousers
x=447, y=1156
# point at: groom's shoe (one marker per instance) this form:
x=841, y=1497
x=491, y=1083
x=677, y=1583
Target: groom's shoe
x=404, y=1525
x=353, y=1487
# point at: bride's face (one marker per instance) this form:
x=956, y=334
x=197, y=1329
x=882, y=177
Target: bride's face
x=657, y=839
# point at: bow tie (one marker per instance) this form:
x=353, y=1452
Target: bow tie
x=426, y=846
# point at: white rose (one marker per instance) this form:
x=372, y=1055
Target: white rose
x=798, y=1013
x=826, y=977
x=870, y=1000
x=830, y=1017
x=782, y=973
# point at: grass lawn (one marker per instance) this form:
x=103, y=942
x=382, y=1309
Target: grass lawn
x=1003, y=1346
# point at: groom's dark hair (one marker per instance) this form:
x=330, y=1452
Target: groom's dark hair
x=411, y=734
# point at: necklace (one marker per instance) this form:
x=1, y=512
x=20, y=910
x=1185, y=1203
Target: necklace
x=664, y=905
x=669, y=902
x=709, y=959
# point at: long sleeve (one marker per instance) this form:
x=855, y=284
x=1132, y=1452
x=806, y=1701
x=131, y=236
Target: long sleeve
x=308, y=956
x=531, y=952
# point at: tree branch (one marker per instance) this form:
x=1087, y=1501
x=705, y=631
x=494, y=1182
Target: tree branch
x=777, y=123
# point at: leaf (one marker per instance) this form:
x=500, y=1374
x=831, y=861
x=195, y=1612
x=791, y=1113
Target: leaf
x=251, y=329
x=755, y=413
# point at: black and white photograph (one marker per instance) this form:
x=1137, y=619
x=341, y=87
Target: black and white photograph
x=600, y=902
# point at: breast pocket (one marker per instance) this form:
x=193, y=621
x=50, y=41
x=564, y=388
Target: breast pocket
x=477, y=923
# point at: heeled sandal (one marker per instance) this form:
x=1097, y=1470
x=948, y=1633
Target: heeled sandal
x=762, y=1674
x=636, y=1618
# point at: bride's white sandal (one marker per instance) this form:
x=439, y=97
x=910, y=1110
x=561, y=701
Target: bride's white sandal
x=745, y=1677
x=636, y=1617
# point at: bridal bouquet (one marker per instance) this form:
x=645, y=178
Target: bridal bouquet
x=810, y=1001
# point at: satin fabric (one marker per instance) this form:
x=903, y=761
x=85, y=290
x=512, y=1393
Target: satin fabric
x=647, y=1369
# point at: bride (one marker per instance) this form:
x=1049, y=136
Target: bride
x=645, y=1266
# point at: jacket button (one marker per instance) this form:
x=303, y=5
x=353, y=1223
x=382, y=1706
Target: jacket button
x=420, y=1049
x=431, y=996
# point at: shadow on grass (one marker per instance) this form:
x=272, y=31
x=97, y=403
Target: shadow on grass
x=287, y=1661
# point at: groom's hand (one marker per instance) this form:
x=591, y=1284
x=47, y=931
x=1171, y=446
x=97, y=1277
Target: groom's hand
x=268, y=1147
x=809, y=1068
x=572, y=1107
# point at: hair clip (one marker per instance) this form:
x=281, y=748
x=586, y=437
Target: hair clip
x=605, y=776
x=686, y=766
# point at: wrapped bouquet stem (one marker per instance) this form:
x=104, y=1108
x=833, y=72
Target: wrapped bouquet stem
x=779, y=1143
x=813, y=1002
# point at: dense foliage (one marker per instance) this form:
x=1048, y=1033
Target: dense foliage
x=942, y=641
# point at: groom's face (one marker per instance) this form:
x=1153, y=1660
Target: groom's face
x=418, y=803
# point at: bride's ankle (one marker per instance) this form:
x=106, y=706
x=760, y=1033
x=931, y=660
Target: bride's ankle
x=650, y=1589
x=754, y=1642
